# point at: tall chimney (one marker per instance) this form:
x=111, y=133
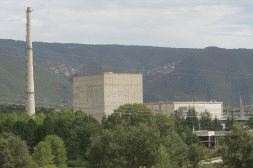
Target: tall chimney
x=30, y=104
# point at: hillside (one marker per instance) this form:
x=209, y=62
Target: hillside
x=216, y=74
x=50, y=88
x=169, y=73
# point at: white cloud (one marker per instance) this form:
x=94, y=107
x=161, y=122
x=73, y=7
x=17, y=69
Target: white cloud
x=174, y=23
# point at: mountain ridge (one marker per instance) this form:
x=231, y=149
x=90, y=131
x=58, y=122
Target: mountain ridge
x=210, y=73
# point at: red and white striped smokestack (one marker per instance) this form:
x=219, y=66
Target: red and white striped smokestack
x=30, y=104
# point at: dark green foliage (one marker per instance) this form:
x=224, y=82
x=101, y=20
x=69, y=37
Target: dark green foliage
x=216, y=125
x=31, y=132
x=142, y=146
x=176, y=149
x=8, y=122
x=130, y=137
x=74, y=128
x=197, y=152
x=134, y=137
x=50, y=152
x=58, y=150
x=238, y=148
x=43, y=154
x=77, y=163
x=230, y=122
x=191, y=119
x=129, y=115
x=14, y=152
x=125, y=147
x=250, y=122
x=163, y=160
x=207, y=123
x=109, y=147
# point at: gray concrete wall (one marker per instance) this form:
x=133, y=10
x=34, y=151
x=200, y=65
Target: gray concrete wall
x=167, y=108
x=161, y=107
x=88, y=95
x=120, y=89
x=100, y=95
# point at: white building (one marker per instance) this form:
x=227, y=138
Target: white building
x=180, y=108
x=99, y=95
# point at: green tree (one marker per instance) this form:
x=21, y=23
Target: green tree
x=164, y=159
x=197, y=152
x=14, y=152
x=19, y=128
x=84, y=133
x=9, y=121
x=48, y=126
x=216, y=125
x=238, y=148
x=27, y=130
x=230, y=120
x=176, y=149
x=74, y=128
x=165, y=124
x=107, y=149
x=49, y=166
x=39, y=118
x=250, y=122
x=205, y=121
x=43, y=155
x=129, y=114
x=134, y=147
x=31, y=133
x=134, y=137
x=58, y=150
x=191, y=119
x=142, y=146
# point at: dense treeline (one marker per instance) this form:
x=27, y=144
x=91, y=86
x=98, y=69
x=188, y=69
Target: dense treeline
x=74, y=128
x=130, y=137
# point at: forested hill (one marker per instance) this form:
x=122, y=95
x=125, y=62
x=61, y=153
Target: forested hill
x=169, y=73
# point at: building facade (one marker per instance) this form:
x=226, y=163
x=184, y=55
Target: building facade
x=99, y=95
x=210, y=138
x=180, y=108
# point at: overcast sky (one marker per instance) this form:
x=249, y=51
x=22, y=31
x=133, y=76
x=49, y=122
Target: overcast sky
x=169, y=23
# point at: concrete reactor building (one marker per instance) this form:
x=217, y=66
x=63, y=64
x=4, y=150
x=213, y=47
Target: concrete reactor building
x=214, y=108
x=99, y=95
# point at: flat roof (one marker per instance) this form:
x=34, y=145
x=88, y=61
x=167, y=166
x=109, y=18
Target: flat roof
x=185, y=102
x=105, y=73
x=199, y=102
x=201, y=133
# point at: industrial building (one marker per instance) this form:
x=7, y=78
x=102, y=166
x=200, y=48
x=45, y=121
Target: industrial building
x=99, y=95
x=210, y=138
x=180, y=108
